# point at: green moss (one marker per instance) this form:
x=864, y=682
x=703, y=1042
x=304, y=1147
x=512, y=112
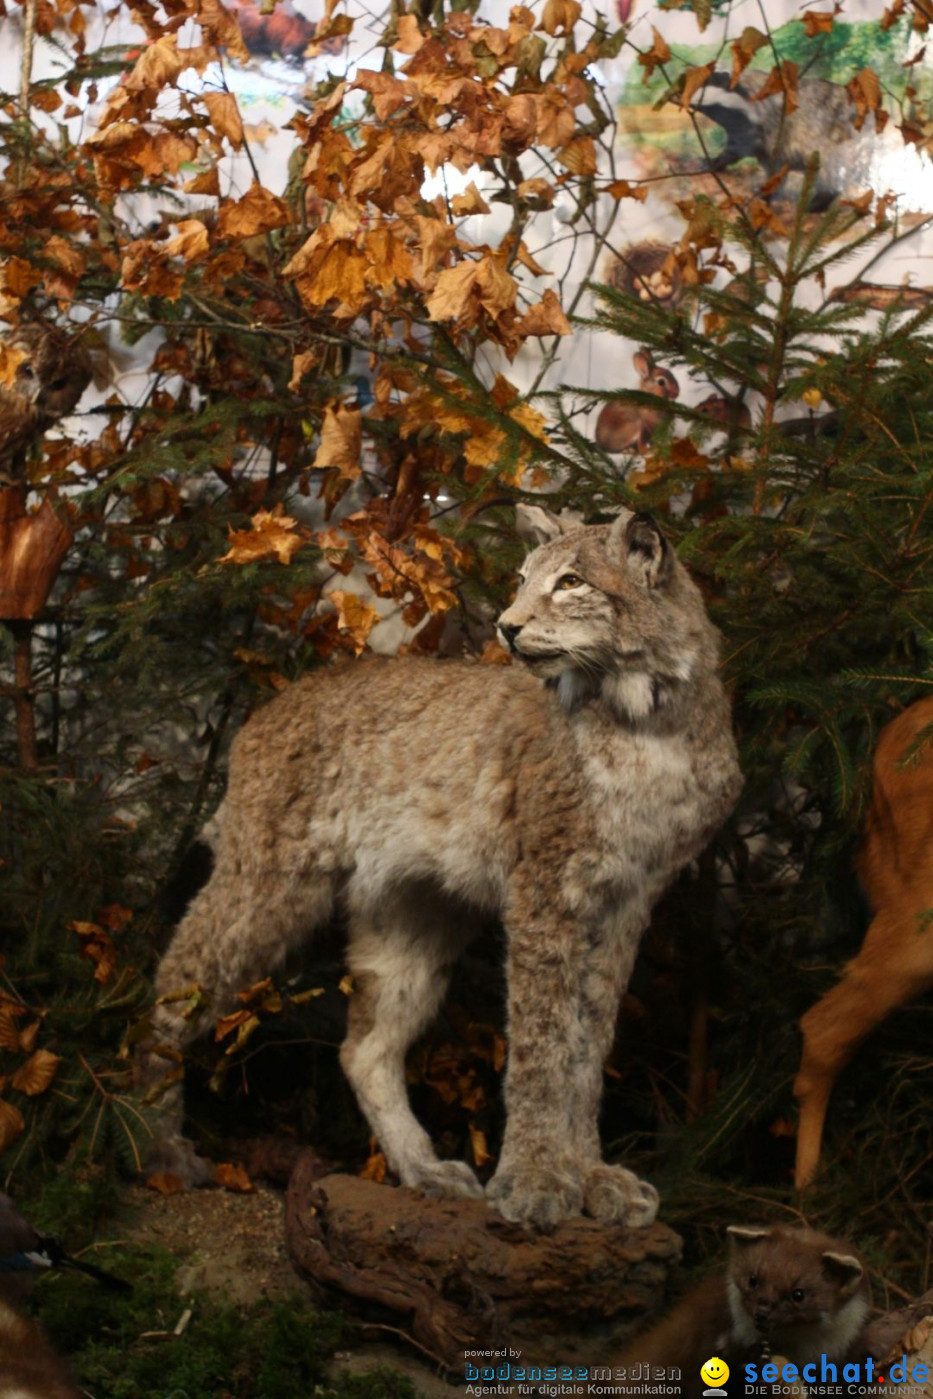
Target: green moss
x=272, y=1350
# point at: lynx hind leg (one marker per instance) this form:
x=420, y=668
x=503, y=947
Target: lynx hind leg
x=401, y=956
x=237, y=930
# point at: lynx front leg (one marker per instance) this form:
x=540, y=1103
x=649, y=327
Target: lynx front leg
x=611, y=1193
x=401, y=956
x=565, y=982
x=538, y=1178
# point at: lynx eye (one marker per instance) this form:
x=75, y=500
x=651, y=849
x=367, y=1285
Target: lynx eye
x=567, y=581
x=798, y=1294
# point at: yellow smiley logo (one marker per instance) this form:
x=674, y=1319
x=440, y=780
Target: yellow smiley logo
x=715, y=1372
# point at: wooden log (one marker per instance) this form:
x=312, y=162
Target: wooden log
x=904, y=1336
x=453, y=1276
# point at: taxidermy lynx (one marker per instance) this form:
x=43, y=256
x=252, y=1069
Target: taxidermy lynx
x=801, y=1294
x=562, y=794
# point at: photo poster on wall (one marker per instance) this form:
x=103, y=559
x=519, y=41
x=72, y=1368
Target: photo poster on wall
x=732, y=136
x=738, y=137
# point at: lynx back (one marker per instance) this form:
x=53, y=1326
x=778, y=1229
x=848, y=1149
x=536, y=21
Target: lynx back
x=560, y=794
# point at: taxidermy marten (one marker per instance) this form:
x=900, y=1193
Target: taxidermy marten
x=786, y=1292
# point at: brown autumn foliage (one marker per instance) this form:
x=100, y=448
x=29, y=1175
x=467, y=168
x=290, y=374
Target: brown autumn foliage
x=251, y=513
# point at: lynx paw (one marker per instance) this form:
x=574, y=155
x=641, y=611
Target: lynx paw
x=174, y=1155
x=445, y=1180
x=612, y=1193
x=537, y=1195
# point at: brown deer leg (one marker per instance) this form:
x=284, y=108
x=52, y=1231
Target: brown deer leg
x=895, y=965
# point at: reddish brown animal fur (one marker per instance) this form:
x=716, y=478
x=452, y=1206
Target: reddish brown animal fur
x=29, y=1368
x=895, y=963
x=803, y=1293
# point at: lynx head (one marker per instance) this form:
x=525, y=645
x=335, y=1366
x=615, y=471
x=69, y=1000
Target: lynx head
x=606, y=610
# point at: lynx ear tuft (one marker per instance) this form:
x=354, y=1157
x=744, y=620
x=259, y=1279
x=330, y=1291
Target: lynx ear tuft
x=537, y=525
x=743, y=1235
x=845, y=1268
x=642, y=546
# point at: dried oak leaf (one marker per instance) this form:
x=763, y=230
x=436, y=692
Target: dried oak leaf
x=451, y=296
x=864, y=90
x=208, y=182
x=225, y=116
x=579, y=156
x=165, y=1182
x=190, y=242
x=233, y=1178
x=272, y=534
x=228, y=1023
x=658, y=53
x=355, y=619
x=115, y=917
x=9, y=1035
x=27, y=1038
x=97, y=947
x=410, y=38
x=161, y=63
x=11, y=1123
x=34, y=1077
x=10, y=360
x=545, y=318
x=19, y=276
x=388, y=93
x=481, y=1154
x=694, y=79
x=519, y=123
x=621, y=189
x=494, y=654
x=258, y=211
x=302, y=364
x=222, y=27
x=376, y=1167
x=818, y=21
x=469, y=202
x=744, y=49
x=341, y=440
x=782, y=81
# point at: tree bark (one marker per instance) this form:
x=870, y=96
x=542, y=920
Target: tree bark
x=454, y=1276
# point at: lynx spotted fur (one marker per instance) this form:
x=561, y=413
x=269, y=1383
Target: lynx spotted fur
x=562, y=793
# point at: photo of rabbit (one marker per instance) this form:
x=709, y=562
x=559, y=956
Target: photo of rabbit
x=629, y=427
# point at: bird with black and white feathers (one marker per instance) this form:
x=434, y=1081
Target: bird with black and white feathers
x=30, y=1368
x=26, y=1251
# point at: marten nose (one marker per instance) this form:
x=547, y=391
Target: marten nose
x=510, y=631
x=762, y=1316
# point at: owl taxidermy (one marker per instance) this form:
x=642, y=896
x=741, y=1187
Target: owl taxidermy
x=48, y=380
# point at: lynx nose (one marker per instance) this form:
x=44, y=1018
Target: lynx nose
x=510, y=631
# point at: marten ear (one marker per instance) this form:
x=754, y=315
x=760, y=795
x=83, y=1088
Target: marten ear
x=537, y=525
x=744, y=1235
x=845, y=1269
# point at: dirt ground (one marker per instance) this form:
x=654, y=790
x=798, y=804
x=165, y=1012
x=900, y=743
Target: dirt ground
x=232, y=1246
